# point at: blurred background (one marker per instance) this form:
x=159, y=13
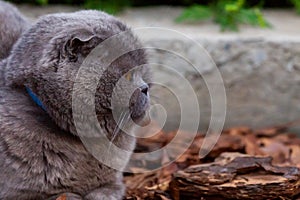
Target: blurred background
x=116, y=5
x=254, y=44
x=228, y=13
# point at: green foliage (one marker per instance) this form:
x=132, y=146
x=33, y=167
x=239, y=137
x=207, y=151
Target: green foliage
x=110, y=6
x=38, y=2
x=296, y=4
x=229, y=14
x=42, y=2
x=195, y=13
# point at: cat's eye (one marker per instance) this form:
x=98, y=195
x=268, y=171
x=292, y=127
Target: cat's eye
x=128, y=76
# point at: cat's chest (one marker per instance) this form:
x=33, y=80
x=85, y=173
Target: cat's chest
x=77, y=171
x=52, y=164
x=37, y=155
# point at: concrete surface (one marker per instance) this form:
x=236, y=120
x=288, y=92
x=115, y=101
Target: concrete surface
x=260, y=67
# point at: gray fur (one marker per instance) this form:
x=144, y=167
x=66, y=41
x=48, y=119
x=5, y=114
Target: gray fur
x=40, y=154
x=12, y=25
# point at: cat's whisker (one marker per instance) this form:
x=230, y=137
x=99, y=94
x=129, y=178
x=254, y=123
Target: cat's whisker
x=153, y=97
x=123, y=119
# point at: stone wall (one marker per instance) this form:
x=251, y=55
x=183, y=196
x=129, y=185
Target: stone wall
x=261, y=78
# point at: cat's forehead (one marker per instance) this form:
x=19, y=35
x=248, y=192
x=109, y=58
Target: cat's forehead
x=94, y=21
x=89, y=14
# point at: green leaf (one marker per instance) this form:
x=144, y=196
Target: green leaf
x=296, y=3
x=227, y=21
x=253, y=17
x=231, y=8
x=195, y=13
x=42, y=2
x=229, y=14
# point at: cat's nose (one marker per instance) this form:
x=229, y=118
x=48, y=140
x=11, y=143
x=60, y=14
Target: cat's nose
x=139, y=102
x=144, y=89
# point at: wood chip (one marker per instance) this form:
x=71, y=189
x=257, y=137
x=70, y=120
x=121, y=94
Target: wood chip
x=244, y=164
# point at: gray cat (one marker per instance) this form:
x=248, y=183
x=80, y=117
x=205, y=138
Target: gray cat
x=41, y=155
x=12, y=25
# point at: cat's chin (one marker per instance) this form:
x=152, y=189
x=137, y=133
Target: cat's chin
x=143, y=120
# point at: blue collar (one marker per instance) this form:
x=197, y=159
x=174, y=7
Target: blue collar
x=35, y=98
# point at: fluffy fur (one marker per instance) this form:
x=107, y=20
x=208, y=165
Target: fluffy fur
x=41, y=155
x=12, y=25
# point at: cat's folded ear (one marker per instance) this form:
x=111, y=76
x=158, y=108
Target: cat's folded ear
x=80, y=45
x=66, y=47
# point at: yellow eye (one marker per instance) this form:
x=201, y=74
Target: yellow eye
x=128, y=76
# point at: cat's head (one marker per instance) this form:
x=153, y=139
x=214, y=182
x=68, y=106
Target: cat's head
x=49, y=55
